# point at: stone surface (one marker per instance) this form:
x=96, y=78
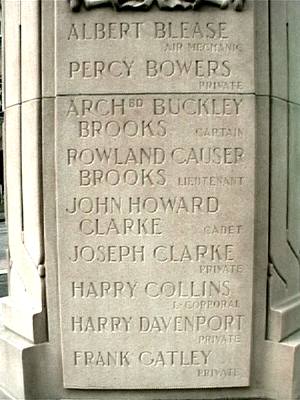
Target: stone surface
x=155, y=190
x=131, y=260
x=278, y=42
x=227, y=356
x=12, y=80
x=31, y=199
x=294, y=187
x=284, y=296
x=279, y=250
x=30, y=49
x=284, y=272
x=3, y=396
x=22, y=58
x=191, y=51
x=293, y=15
x=262, y=63
x=26, y=289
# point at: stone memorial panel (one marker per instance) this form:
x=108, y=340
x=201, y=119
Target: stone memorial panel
x=206, y=50
x=155, y=151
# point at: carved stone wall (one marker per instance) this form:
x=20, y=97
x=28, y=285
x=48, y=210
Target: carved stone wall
x=122, y=319
x=284, y=271
x=24, y=308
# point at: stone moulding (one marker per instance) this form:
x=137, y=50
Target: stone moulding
x=75, y=5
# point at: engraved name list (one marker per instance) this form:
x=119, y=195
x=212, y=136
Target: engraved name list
x=155, y=181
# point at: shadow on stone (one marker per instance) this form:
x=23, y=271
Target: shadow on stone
x=3, y=285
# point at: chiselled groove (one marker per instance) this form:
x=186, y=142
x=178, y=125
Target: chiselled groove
x=151, y=94
x=131, y=94
x=20, y=133
x=284, y=281
x=288, y=134
x=75, y=5
x=294, y=251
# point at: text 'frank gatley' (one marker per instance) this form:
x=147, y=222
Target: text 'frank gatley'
x=159, y=358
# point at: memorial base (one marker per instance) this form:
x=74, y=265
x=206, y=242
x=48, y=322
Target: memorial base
x=21, y=370
x=12, y=348
x=29, y=371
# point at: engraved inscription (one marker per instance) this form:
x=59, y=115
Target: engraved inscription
x=155, y=150
x=191, y=52
x=155, y=248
